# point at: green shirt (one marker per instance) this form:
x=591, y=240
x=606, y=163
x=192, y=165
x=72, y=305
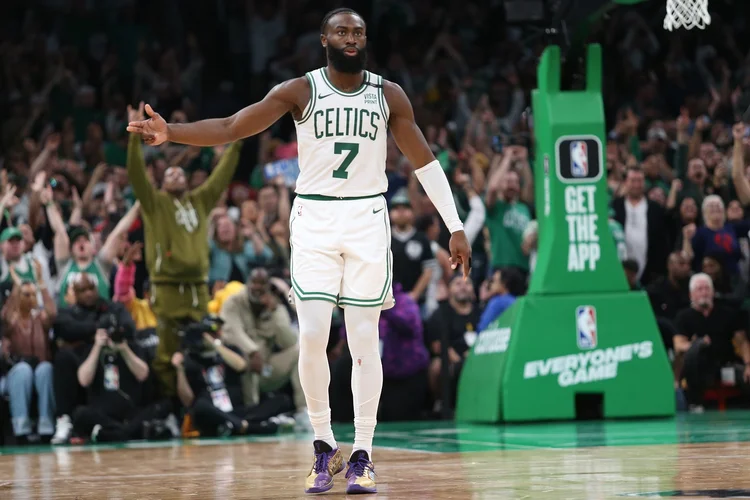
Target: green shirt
x=506, y=223
x=24, y=270
x=97, y=271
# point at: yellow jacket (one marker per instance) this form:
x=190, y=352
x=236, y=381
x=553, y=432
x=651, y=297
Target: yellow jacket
x=214, y=307
x=141, y=312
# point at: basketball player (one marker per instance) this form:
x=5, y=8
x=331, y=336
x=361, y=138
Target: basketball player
x=339, y=227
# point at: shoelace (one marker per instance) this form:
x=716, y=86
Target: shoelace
x=358, y=468
x=321, y=462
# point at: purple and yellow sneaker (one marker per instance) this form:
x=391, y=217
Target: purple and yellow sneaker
x=360, y=476
x=326, y=464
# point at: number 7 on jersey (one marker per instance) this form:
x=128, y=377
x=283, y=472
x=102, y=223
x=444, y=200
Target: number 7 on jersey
x=352, y=150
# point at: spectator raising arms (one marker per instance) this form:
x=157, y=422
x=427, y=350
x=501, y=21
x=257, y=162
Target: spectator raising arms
x=176, y=230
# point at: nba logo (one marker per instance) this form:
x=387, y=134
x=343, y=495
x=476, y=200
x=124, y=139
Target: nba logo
x=579, y=159
x=586, y=327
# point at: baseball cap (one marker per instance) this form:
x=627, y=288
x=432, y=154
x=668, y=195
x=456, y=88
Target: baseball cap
x=401, y=198
x=9, y=233
x=76, y=232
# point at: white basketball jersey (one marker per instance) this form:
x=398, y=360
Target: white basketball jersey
x=342, y=139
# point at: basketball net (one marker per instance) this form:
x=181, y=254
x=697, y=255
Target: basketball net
x=688, y=14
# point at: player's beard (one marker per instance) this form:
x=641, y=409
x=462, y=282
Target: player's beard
x=346, y=64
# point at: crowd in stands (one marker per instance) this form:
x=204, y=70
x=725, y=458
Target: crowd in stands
x=78, y=330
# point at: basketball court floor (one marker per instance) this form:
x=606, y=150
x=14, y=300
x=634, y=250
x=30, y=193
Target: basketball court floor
x=691, y=456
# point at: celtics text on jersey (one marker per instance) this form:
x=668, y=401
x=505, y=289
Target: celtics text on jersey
x=342, y=139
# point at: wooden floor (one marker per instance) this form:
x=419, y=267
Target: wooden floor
x=706, y=456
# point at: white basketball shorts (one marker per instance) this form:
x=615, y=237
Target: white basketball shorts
x=341, y=251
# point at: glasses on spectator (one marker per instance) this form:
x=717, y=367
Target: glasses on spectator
x=84, y=288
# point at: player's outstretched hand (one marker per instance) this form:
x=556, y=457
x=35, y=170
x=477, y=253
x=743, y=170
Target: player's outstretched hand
x=153, y=130
x=460, y=252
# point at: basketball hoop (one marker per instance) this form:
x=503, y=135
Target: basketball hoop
x=687, y=13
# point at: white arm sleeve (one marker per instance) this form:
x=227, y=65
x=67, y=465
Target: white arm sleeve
x=435, y=184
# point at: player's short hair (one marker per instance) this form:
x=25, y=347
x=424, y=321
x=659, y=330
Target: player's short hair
x=340, y=10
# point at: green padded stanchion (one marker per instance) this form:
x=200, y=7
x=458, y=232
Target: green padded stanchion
x=579, y=330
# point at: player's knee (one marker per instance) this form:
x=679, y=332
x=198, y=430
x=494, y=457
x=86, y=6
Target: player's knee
x=314, y=323
x=313, y=338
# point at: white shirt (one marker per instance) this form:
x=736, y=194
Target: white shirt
x=636, y=232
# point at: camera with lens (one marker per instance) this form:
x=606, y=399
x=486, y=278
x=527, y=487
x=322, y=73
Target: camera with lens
x=108, y=322
x=192, y=334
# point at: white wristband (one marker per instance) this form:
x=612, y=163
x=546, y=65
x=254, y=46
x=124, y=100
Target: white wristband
x=435, y=184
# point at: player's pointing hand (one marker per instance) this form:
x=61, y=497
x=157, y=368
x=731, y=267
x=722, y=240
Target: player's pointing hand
x=153, y=130
x=460, y=252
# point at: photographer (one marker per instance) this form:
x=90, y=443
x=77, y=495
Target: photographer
x=27, y=351
x=115, y=374
x=75, y=329
x=208, y=383
x=261, y=328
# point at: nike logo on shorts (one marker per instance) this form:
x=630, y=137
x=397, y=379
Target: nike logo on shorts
x=376, y=211
x=320, y=96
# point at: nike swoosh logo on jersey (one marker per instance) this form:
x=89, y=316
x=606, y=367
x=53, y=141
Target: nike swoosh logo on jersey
x=376, y=211
x=320, y=96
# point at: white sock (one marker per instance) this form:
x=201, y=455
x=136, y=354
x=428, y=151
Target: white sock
x=367, y=372
x=314, y=318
